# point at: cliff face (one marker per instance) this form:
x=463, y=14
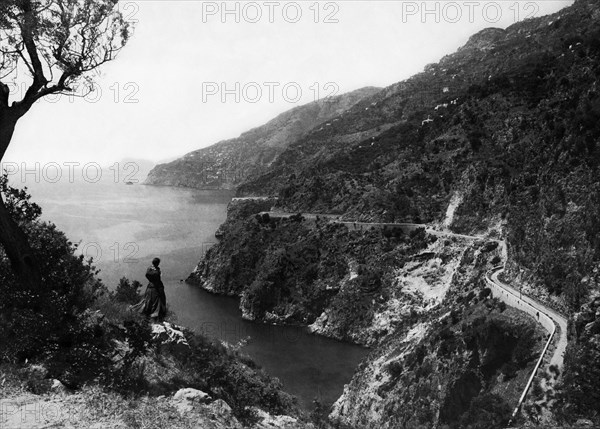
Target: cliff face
x=499, y=138
x=315, y=272
x=505, y=131
x=441, y=345
x=226, y=164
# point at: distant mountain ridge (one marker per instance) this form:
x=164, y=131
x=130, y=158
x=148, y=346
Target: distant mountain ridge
x=226, y=164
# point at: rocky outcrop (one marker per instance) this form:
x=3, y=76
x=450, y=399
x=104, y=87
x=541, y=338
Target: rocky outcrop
x=504, y=132
x=196, y=405
x=461, y=363
x=345, y=283
x=226, y=164
x=170, y=337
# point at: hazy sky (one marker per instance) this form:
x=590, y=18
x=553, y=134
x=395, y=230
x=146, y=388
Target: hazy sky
x=162, y=97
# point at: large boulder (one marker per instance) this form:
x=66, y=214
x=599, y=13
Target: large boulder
x=267, y=421
x=185, y=399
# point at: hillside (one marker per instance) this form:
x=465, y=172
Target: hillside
x=506, y=129
x=226, y=164
x=499, y=139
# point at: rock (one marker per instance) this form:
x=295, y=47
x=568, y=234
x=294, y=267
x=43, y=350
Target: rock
x=57, y=386
x=218, y=415
x=267, y=421
x=584, y=423
x=220, y=408
x=190, y=394
x=170, y=336
x=582, y=318
x=185, y=399
x=592, y=329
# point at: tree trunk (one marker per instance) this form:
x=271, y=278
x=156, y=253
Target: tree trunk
x=13, y=239
x=20, y=254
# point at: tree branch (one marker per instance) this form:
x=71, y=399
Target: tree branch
x=27, y=33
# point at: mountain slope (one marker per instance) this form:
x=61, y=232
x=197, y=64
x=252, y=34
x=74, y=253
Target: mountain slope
x=507, y=128
x=499, y=138
x=227, y=163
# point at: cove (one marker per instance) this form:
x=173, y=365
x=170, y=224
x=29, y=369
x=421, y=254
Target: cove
x=123, y=227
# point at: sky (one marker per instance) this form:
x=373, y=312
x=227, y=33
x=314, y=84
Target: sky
x=197, y=72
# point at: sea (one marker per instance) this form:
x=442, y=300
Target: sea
x=123, y=226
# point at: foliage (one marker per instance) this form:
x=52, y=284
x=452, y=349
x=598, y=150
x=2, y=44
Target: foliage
x=32, y=322
x=486, y=411
x=83, y=333
x=580, y=395
x=127, y=292
x=73, y=37
x=294, y=269
x=225, y=374
x=516, y=137
x=18, y=202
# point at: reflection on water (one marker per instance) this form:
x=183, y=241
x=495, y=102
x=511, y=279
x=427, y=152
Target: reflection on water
x=310, y=366
x=124, y=227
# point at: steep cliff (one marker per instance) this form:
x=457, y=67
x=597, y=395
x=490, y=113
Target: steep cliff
x=506, y=129
x=499, y=138
x=226, y=164
x=441, y=345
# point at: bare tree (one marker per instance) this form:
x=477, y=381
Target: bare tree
x=57, y=44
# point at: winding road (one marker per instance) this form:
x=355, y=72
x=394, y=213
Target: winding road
x=548, y=318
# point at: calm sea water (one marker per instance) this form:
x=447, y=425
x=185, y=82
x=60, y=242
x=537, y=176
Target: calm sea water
x=124, y=226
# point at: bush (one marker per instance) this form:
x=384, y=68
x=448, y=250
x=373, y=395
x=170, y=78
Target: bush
x=210, y=367
x=486, y=412
x=395, y=368
x=485, y=292
x=59, y=326
x=127, y=292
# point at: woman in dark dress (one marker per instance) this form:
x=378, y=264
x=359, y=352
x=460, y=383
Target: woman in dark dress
x=154, y=304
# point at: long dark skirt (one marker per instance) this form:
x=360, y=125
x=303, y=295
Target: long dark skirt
x=154, y=304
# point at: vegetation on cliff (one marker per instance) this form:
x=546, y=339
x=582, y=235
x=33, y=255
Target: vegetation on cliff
x=296, y=270
x=503, y=134
x=441, y=346
x=508, y=126
x=81, y=334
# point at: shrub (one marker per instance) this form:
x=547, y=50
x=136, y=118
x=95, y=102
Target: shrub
x=484, y=293
x=395, y=368
x=127, y=292
x=487, y=411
